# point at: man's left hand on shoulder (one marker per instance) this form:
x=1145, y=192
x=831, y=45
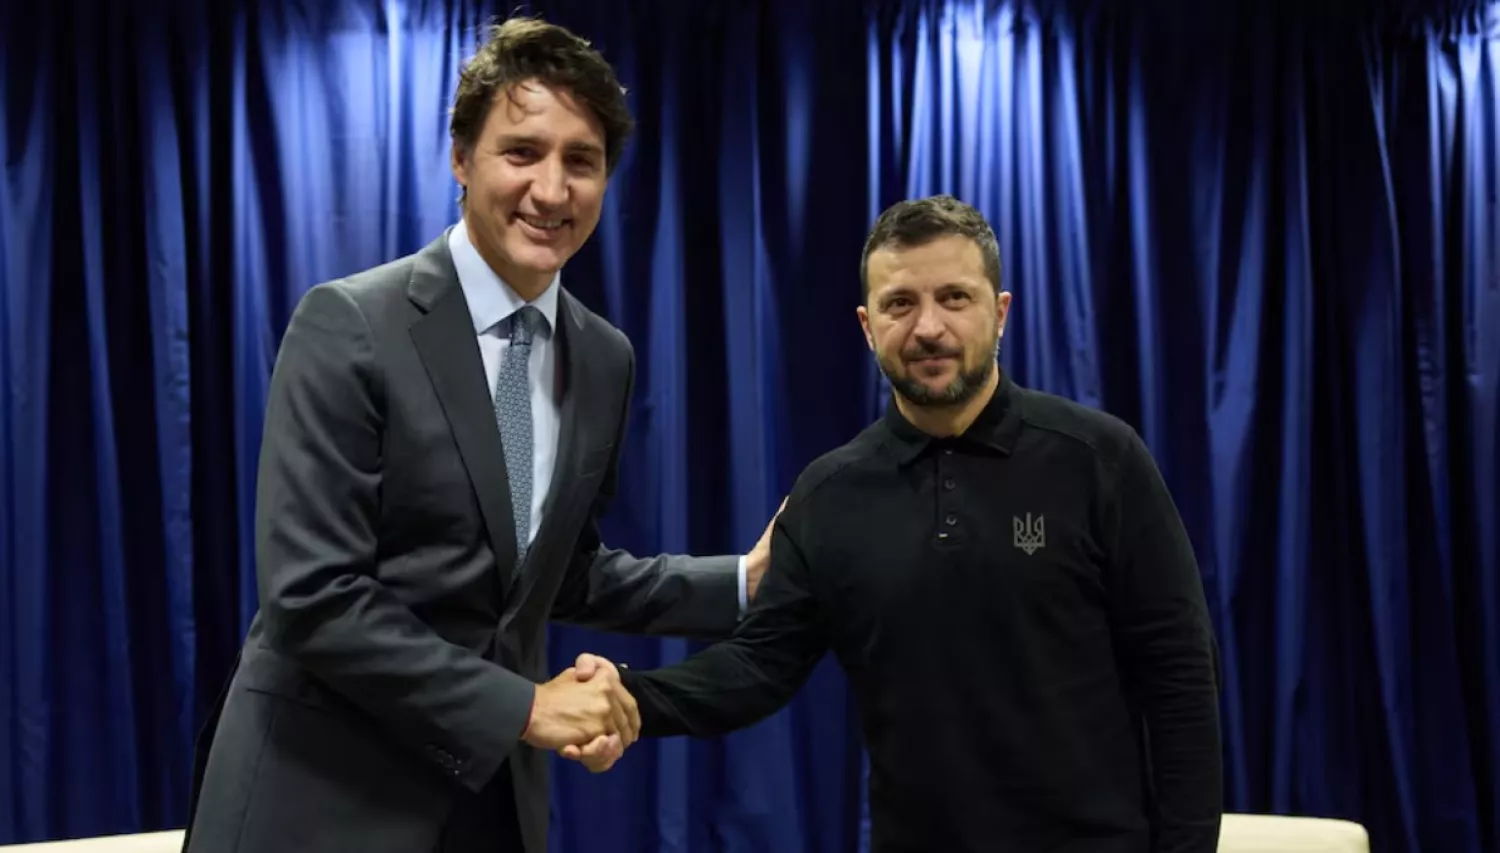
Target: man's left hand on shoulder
x=759, y=558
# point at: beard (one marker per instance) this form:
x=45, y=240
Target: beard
x=963, y=387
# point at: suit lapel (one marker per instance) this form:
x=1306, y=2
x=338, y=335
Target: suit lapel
x=445, y=340
x=569, y=349
x=578, y=386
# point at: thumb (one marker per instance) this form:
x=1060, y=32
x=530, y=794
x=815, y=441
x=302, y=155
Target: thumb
x=598, y=746
x=585, y=667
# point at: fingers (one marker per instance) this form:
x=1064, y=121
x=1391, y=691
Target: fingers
x=775, y=515
x=621, y=705
x=618, y=721
x=602, y=754
x=600, y=745
x=633, y=712
x=597, y=755
x=625, y=716
x=615, y=719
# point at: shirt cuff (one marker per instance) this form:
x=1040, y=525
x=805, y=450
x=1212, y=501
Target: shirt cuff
x=744, y=594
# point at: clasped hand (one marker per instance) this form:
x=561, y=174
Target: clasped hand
x=585, y=714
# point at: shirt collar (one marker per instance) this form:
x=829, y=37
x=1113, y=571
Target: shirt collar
x=491, y=300
x=997, y=426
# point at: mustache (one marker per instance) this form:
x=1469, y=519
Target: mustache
x=931, y=350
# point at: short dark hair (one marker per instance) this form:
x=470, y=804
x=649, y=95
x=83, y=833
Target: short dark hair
x=915, y=222
x=523, y=48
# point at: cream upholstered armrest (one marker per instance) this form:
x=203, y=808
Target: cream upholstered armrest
x=1253, y=833
x=146, y=842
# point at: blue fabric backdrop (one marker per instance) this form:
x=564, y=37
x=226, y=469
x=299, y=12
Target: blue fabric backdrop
x=1268, y=238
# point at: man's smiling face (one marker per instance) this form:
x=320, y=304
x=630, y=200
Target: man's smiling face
x=535, y=181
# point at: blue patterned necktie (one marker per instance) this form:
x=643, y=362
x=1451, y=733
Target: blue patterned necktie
x=513, y=412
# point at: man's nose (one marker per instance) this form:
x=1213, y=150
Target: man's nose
x=549, y=188
x=929, y=325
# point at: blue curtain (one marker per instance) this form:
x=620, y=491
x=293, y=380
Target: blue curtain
x=1266, y=236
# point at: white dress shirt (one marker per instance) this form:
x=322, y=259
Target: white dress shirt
x=492, y=304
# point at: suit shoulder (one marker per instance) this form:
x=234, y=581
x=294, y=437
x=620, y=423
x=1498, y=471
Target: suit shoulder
x=377, y=285
x=1094, y=429
x=369, y=292
x=596, y=323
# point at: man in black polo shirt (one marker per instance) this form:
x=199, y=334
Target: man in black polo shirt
x=1004, y=579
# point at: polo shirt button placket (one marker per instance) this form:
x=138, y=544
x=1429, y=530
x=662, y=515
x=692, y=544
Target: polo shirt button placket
x=947, y=485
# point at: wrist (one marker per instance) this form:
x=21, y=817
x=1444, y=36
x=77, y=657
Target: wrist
x=530, y=715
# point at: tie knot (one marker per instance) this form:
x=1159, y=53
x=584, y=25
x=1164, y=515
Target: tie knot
x=524, y=324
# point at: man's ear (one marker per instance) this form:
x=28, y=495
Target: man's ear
x=864, y=323
x=458, y=161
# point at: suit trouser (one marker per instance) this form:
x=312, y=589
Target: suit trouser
x=485, y=822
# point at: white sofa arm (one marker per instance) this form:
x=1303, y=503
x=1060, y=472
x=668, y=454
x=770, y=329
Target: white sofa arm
x=1253, y=833
x=146, y=842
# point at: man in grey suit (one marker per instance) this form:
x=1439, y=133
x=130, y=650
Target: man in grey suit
x=441, y=435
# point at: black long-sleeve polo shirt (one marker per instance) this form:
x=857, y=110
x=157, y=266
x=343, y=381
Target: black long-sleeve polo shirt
x=1021, y=619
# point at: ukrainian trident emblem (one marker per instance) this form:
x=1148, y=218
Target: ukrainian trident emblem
x=1031, y=534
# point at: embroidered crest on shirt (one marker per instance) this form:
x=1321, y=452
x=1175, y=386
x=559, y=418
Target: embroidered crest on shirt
x=1031, y=534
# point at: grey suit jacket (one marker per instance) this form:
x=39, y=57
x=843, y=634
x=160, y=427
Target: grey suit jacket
x=393, y=660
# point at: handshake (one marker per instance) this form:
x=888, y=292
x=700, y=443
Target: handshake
x=585, y=714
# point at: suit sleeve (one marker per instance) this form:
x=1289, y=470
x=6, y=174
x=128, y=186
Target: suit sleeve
x=317, y=505
x=742, y=680
x=608, y=589
x=1170, y=656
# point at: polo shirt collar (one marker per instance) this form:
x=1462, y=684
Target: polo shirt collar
x=997, y=426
